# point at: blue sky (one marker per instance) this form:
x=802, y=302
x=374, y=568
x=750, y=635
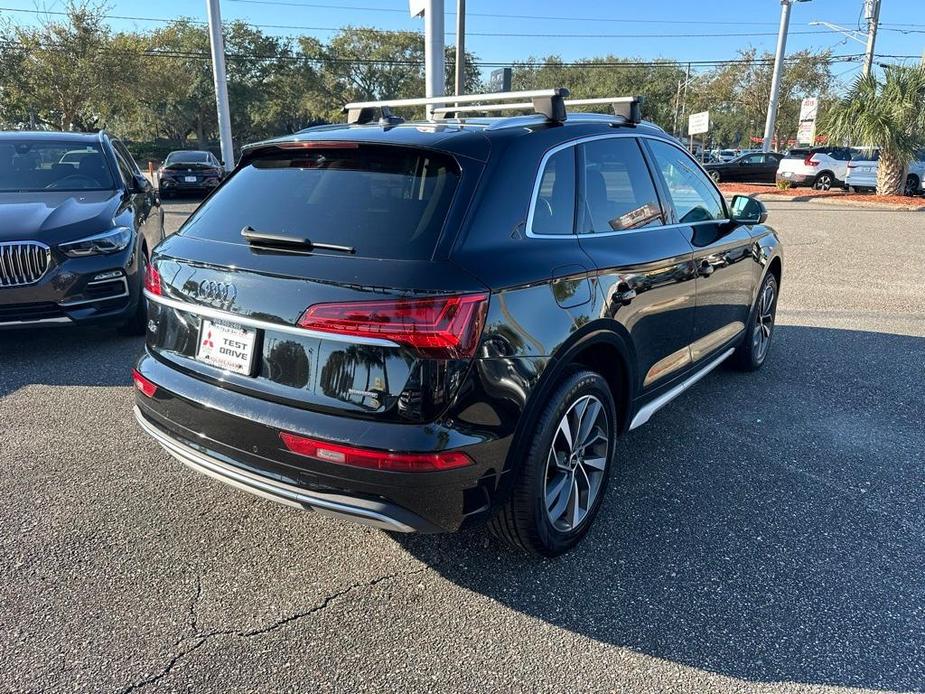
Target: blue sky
x=710, y=29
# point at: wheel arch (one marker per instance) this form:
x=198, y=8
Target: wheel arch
x=599, y=349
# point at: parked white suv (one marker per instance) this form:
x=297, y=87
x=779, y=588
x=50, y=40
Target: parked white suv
x=822, y=168
x=862, y=172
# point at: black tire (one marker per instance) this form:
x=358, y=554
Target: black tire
x=138, y=323
x=912, y=185
x=751, y=354
x=524, y=522
x=825, y=180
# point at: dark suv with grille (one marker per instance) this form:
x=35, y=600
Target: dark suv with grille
x=420, y=325
x=77, y=221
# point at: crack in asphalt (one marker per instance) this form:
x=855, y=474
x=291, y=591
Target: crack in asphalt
x=200, y=638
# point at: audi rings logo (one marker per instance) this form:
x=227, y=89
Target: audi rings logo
x=216, y=293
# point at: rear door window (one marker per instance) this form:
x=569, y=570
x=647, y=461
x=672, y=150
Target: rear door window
x=386, y=202
x=618, y=193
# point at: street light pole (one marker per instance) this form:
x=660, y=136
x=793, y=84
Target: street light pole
x=460, y=47
x=778, y=69
x=433, y=51
x=221, y=84
x=872, y=12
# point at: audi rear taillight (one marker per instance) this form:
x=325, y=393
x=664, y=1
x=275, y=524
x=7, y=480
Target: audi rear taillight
x=809, y=160
x=152, y=279
x=445, y=327
x=373, y=459
x=144, y=386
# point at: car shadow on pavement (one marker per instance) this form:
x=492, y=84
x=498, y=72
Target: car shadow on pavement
x=72, y=356
x=764, y=526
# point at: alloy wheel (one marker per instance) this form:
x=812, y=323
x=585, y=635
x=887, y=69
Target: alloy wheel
x=764, y=322
x=823, y=182
x=576, y=463
x=715, y=176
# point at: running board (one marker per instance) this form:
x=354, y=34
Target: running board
x=649, y=409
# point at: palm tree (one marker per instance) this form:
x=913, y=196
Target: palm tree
x=889, y=115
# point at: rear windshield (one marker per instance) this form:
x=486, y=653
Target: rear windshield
x=796, y=154
x=48, y=165
x=865, y=155
x=191, y=157
x=386, y=202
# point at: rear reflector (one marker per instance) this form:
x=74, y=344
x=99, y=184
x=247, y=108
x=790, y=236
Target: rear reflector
x=372, y=459
x=153, y=279
x=145, y=386
x=445, y=327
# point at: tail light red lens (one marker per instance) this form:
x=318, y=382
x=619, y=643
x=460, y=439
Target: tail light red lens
x=373, y=459
x=146, y=387
x=446, y=327
x=152, y=279
x=809, y=160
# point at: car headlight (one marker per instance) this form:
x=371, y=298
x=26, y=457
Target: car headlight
x=110, y=241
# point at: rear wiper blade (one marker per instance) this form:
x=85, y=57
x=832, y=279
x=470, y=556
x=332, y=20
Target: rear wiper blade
x=261, y=238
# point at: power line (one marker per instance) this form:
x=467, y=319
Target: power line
x=497, y=15
x=558, y=35
x=286, y=56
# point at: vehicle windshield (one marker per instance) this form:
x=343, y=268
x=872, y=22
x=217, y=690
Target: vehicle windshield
x=36, y=165
x=386, y=202
x=187, y=158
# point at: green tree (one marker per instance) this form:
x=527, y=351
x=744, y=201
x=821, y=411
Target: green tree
x=889, y=115
x=60, y=74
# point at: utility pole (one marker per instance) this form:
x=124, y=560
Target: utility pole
x=687, y=81
x=460, y=47
x=434, y=77
x=221, y=84
x=872, y=14
x=778, y=69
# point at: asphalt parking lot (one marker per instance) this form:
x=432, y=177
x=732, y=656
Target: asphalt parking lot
x=763, y=533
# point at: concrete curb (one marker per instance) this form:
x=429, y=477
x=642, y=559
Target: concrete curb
x=836, y=200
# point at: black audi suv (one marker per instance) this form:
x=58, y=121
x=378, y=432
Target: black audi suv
x=186, y=171
x=422, y=325
x=77, y=222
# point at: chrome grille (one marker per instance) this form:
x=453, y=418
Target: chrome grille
x=23, y=262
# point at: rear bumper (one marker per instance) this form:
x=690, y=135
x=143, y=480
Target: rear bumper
x=236, y=438
x=378, y=514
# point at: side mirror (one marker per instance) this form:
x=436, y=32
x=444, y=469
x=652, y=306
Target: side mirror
x=748, y=210
x=140, y=184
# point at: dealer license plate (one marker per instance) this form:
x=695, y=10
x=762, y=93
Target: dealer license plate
x=226, y=346
x=189, y=179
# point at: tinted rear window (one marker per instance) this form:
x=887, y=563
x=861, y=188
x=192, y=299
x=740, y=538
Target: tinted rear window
x=386, y=202
x=866, y=155
x=796, y=154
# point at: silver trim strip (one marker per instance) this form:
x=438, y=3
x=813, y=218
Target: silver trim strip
x=40, y=321
x=216, y=314
x=125, y=293
x=646, y=411
x=264, y=487
x=591, y=138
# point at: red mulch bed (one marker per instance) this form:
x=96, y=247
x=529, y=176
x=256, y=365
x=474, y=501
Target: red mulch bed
x=809, y=194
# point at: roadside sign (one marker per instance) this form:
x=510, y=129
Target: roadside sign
x=698, y=123
x=806, y=130
x=809, y=107
x=500, y=80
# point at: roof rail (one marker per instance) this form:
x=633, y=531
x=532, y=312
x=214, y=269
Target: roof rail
x=549, y=102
